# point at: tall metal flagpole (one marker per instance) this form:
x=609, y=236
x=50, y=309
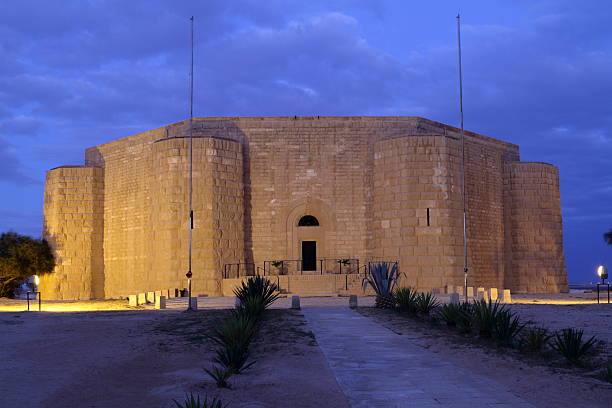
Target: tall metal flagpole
x=189, y=274
x=463, y=189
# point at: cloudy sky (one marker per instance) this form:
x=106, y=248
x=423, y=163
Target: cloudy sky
x=75, y=73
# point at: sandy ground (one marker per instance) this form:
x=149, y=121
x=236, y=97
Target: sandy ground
x=147, y=358
x=545, y=382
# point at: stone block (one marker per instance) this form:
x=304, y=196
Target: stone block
x=158, y=293
x=454, y=298
x=470, y=291
x=295, y=302
x=506, y=297
x=142, y=298
x=133, y=300
x=150, y=297
x=459, y=290
x=493, y=294
x=160, y=302
x=450, y=289
x=353, y=301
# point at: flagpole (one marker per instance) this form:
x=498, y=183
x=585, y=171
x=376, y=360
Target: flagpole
x=463, y=189
x=189, y=272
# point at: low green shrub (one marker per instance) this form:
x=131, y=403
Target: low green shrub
x=234, y=357
x=484, y=316
x=507, y=327
x=464, y=318
x=534, y=338
x=256, y=294
x=239, y=329
x=570, y=345
x=405, y=299
x=220, y=375
x=195, y=402
x=426, y=303
x=449, y=313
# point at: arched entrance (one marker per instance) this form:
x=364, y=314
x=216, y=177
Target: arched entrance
x=308, y=253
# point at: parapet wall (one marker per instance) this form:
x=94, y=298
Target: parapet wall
x=536, y=259
x=74, y=227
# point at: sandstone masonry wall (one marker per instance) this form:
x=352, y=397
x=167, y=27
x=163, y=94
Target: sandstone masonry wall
x=73, y=211
x=537, y=261
x=370, y=181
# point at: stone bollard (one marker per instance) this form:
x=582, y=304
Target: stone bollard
x=480, y=294
x=150, y=297
x=160, y=302
x=506, y=297
x=459, y=290
x=142, y=298
x=295, y=302
x=454, y=298
x=158, y=293
x=133, y=299
x=470, y=291
x=237, y=303
x=353, y=301
x=194, y=303
x=493, y=294
x=450, y=289
x=165, y=293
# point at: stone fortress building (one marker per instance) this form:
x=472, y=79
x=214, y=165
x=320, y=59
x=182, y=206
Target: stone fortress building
x=307, y=189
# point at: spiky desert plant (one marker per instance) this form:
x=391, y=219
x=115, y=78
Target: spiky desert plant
x=257, y=293
x=233, y=357
x=220, y=375
x=534, y=338
x=425, y=303
x=406, y=300
x=383, y=279
x=484, y=316
x=507, y=328
x=464, y=318
x=195, y=402
x=570, y=345
x=449, y=313
x=239, y=329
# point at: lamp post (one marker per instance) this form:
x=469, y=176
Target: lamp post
x=602, y=272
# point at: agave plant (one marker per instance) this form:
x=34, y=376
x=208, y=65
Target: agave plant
x=534, y=338
x=220, y=375
x=233, y=357
x=383, y=279
x=195, y=402
x=256, y=294
x=239, y=330
x=425, y=303
x=507, y=327
x=570, y=345
x=406, y=300
x=484, y=316
x=465, y=317
x=450, y=313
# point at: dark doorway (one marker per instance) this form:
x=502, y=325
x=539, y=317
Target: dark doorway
x=309, y=255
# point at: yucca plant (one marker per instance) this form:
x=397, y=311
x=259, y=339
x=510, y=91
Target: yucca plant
x=425, y=303
x=406, y=300
x=507, y=328
x=534, y=338
x=238, y=329
x=450, y=313
x=220, y=375
x=570, y=345
x=465, y=317
x=383, y=279
x=256, y=294
x=195, y=402
x=484, y=316
x=234, y=357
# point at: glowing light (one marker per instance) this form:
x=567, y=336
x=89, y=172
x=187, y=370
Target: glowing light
x=36, y=280
x=600, y=270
